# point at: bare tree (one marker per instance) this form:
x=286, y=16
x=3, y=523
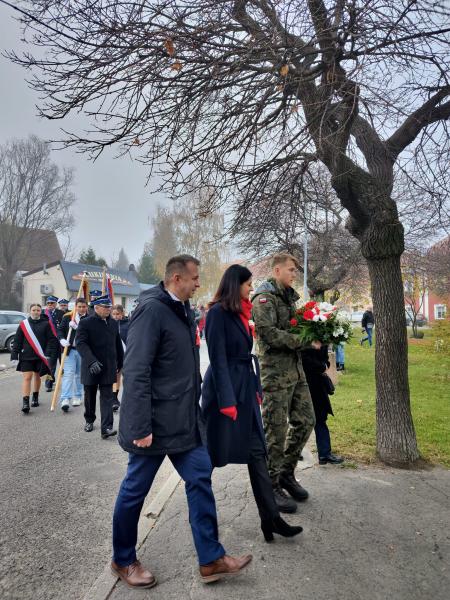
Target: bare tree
x=415, y=283
x=280, y=217
x=35, y=194
x=228, y=91
x=201, y=234
x=438, y=268
x=164, y=242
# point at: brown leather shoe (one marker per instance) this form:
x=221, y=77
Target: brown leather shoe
x=135, y=575
x=227, y=566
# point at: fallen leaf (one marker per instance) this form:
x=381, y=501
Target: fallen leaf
x=136, y=141
x=177, y=66
x=284, y=70
x=294, y=108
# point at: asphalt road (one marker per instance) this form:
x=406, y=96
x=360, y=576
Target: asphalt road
x=57, y=492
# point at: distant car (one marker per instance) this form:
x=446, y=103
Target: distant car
x=357, y=316
x=9, y=321
x=421, y=319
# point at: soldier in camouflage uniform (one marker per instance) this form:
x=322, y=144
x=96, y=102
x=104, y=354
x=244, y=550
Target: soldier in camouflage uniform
x=288, y=412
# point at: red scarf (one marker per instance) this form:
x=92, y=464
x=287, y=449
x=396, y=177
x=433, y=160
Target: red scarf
x=246, y=313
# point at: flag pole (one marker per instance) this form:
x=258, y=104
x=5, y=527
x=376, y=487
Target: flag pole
x=66, y=349
x=104, y=281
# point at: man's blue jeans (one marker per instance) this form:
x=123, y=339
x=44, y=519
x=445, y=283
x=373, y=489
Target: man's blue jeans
x=369, y=331
x=194, y=466
x=71, y=384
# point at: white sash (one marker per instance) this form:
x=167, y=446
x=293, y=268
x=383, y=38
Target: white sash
x=33, y=341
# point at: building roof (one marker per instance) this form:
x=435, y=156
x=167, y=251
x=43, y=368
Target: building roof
x=125, y=283
x=36, y=247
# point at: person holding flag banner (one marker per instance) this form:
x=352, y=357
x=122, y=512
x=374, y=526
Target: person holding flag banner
x=35, y=349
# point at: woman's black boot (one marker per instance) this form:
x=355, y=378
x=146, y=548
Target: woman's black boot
x=279, y=526
x=35, y=400
x=26, y=404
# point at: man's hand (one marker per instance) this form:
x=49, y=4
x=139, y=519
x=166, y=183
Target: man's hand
x=316, y=345
x=64, y=343
x=144, y=442
x=95, y=368
x=73, y=325
x=14, y=362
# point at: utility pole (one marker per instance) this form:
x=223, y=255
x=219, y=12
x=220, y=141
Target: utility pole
x=305, y=267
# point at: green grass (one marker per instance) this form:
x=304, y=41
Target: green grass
x=353, y=427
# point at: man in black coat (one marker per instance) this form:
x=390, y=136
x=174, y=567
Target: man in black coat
x=160, y=415
x=54, y=316
x=367, y=323
x=100, y=347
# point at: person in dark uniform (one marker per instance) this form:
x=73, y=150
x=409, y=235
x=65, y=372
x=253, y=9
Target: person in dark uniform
x=315, y=364
x=118, y=314
x=100, y=347
x=232, y=394
x=160, y=416
x=94, y=294
x=63, y=307
x=54, y=316
x=34, y=348
x=71, y=387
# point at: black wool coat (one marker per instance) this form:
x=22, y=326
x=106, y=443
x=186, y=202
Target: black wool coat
x=230, y=380
x=315, y=363
x=99, y=339
x=161, y=377
x=22, y=350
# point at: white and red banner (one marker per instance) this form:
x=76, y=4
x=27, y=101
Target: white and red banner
x=33, y=341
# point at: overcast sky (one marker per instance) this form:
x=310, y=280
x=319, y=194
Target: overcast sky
x=114, y=205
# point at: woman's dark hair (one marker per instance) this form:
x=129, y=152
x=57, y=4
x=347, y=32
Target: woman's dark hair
x=229, y=291
x=35, y=304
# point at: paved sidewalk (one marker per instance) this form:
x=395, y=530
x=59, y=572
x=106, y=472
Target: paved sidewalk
x=369, y=534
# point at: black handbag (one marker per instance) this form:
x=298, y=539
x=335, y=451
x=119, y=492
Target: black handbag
x=329, y=385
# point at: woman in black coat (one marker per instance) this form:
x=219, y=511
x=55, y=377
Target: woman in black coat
x=315, y=364
x=231, y=395
x=25, y=354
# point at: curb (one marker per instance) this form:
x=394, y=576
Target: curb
x=105, y=583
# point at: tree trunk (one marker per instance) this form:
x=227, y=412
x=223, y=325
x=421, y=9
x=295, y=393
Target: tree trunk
x=396, y=437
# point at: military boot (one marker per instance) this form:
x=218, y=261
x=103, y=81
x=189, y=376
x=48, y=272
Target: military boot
x=26, y=404
x=292, y=486
x=282, y=500
x=35, y=400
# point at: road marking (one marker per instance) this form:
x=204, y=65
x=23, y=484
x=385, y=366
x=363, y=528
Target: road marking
x=104, y=585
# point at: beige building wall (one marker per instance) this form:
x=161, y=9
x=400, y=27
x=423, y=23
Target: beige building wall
x=32, y=286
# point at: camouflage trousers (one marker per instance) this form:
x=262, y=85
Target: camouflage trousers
x=288, y=416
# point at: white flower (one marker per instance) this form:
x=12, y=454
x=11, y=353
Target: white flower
x=323, y=317
x=326, y=306
x=346, y=335
x=316, y=318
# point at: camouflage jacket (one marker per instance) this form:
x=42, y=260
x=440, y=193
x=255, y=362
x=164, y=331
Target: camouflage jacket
x=273, y=308
x=278, y=349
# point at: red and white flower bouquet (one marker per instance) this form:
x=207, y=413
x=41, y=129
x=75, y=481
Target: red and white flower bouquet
x=321, y=321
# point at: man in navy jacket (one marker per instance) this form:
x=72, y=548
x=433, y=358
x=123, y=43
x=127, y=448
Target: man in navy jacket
x=160, y=416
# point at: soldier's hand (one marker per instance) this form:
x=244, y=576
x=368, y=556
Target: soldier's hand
x=144, y=442
x=316, y=345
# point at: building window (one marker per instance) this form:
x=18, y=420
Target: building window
x=440, y=310
x=124, y=301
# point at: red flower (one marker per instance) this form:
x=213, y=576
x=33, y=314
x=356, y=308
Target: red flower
x=310, y=304
x=308, y=315
x=293, y=322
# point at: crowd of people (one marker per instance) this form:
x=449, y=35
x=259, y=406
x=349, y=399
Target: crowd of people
x=257, y=409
